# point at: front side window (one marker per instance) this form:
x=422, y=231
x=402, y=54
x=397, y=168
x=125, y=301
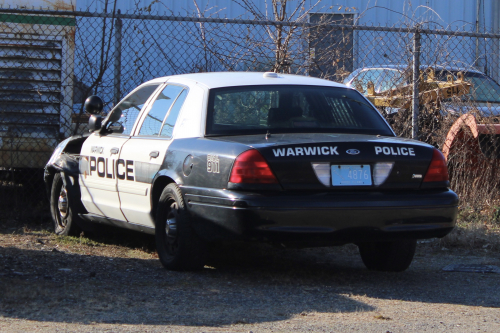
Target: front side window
x=129, y=109
x=291, y=109
x=154, y=119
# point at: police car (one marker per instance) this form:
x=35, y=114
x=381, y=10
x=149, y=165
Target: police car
x=292, y=160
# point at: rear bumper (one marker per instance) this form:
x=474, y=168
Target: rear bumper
x=331, y=217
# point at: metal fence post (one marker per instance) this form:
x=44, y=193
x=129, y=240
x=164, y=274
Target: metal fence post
x=416, y=76
x=118, y=59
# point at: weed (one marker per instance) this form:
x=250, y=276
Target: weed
x=381, y=317
x=476, y=229
x=71, y=240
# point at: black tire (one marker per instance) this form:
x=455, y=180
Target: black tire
x=179, y=247
x=63, y=214
x=393, y=256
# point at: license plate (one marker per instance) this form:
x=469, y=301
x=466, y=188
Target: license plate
x=351, y=175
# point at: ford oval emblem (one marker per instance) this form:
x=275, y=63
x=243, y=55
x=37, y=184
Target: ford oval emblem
x=352, y=151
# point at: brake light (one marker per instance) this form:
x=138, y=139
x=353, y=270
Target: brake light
x=251, y=167
x=437, y=171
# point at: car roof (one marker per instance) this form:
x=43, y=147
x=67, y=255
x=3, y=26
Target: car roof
x=436, y=67
x=231, y=79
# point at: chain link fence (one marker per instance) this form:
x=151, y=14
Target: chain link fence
x=50, y=61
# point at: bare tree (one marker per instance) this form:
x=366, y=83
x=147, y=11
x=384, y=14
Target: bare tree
x=282, y=36
x=93, y=72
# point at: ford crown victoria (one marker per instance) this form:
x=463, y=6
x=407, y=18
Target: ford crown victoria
x=292, y=160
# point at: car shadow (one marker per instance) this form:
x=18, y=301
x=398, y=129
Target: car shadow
x=242, y=283
x=64, y=287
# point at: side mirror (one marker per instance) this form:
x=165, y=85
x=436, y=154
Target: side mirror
x=93, y=105
x=95, y=123
x=116, y=128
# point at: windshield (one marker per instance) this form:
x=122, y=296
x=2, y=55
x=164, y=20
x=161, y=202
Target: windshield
x=483, y=89
x=291, y=109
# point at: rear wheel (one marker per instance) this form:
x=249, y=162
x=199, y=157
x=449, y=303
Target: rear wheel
x=178, y=246
x=63, y=214
x=393, y=256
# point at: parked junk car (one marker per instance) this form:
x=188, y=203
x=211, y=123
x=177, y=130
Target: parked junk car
x=286, y=159
x=483, y=97
x=36, y=79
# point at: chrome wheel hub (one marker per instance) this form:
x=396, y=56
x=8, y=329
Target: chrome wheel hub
x=62, y=203
x=171, y=227
x=171, y=230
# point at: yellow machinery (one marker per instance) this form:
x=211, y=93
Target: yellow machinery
x=431, y=91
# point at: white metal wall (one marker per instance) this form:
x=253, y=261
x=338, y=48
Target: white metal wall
x=457, y=15
x=443, y=13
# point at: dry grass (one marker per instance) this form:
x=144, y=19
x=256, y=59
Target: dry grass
x=476, y=229
x=108, y=242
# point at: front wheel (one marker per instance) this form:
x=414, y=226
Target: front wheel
x=393, y=256
x=178, y=246
x=63, y=214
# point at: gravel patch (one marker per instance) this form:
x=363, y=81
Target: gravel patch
x=114, y=282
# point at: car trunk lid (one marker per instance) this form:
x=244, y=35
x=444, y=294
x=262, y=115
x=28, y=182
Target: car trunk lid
x=342, y=161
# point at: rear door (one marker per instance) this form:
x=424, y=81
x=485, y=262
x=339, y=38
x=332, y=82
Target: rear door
x=145, y=152
x=101, y=166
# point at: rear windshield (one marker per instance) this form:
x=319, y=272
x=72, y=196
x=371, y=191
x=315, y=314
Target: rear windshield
x=291, y=109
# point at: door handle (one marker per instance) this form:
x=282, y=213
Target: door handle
x=154, y=154
x=114, y=151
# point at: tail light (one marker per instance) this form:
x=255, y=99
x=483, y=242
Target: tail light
x=437, y=171
x=251, y=167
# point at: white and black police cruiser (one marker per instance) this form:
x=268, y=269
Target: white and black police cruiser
x=294, y=160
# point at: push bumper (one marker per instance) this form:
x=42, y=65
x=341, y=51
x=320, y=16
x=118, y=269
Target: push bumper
x=340, y=217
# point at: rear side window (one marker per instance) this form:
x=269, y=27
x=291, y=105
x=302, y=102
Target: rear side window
x=168, y=126
x=291, y=109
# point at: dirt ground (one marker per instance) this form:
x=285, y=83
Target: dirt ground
x=113, y=282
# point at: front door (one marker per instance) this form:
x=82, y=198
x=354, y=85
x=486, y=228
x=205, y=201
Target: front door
x=101, y=165
x=99, y=173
